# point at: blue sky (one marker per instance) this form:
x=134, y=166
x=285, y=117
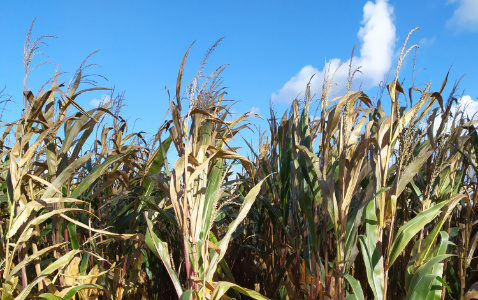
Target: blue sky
x=272, y=47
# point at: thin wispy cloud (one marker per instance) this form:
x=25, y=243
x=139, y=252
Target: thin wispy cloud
x=94, y=103
x=465, y=16
x=377, y=37
x=424, y=42
x=255, y=110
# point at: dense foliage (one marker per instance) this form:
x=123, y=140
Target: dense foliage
x=348, y=202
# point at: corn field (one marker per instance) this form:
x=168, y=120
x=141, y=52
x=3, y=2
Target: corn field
x=340, y=199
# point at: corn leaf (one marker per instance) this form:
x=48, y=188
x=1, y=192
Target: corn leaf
x=222, y=287
x=411, y=228
x=371, y=252
x=224, y=243
x=356, y=288
x=59, y=263
x=160, y=249
x=94, y=174
x=72, y=233
x=71, y=292
x=422, y=280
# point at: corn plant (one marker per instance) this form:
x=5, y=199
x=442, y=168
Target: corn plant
x=366, y=166
x=196, y=186
x=349, y=202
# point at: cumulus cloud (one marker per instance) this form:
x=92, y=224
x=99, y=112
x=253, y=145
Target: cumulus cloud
x=95, y=103
x=466, y=107
x=470, y=105
x=465, y=16
x=377, y=43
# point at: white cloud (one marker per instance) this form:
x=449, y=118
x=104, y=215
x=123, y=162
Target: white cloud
x=95, y=103
x=465, y=16
x=426, y=41
x=377, y=39
x=466, y=107
x=297, y=84
x=255, y=110
x=469, y=104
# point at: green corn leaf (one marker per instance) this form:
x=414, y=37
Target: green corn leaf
x=422, y=280
x=94, y=174
x=437, y=270
x=356, y=288
x=222, y=287
x=59, y=263
x=424, y=290
x=224, y=243
x=49, y=296
x=351, y=234
x=371, y=252
x=71, y=292
x=72, y=234
x=417, y=190
x=74, y=290
x=214, y=179
x=224, y=267
x=8, y=288
x=282, y=293
x=411, y=228
x=189, y=295
x=156, y=166
x=160, y=249
x=162, y=213
x=430, y=239
x=84, y=264
x=445, y=285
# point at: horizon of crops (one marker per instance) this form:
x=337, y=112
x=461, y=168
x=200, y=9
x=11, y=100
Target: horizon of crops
x=348, y=202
